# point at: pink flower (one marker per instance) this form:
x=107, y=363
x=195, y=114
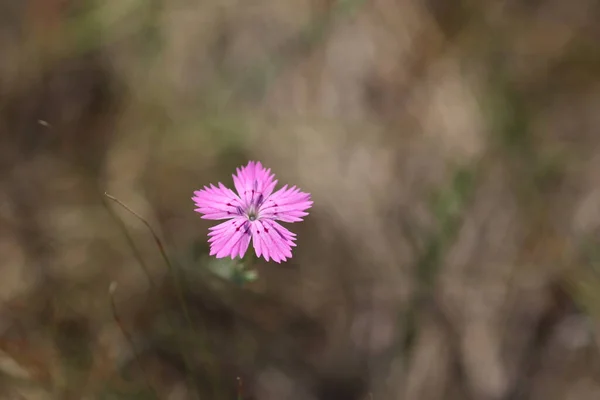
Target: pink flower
x=252, y=213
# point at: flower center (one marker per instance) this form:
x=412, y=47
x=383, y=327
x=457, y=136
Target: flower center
x=252, y=213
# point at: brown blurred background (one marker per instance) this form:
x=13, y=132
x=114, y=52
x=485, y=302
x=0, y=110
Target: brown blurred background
x=451, y=148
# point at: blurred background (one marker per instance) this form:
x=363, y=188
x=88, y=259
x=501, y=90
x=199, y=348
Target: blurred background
x=451, y=149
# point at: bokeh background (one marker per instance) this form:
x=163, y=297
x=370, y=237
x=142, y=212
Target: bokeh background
x=451, y=148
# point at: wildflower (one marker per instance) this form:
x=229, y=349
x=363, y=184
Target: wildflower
x=252, y=213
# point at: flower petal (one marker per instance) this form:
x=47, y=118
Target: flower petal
x=286, y=204
x=230, y=238
x=254, y=181
x=272, y=240
x=282, y=232
x=217, y=202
